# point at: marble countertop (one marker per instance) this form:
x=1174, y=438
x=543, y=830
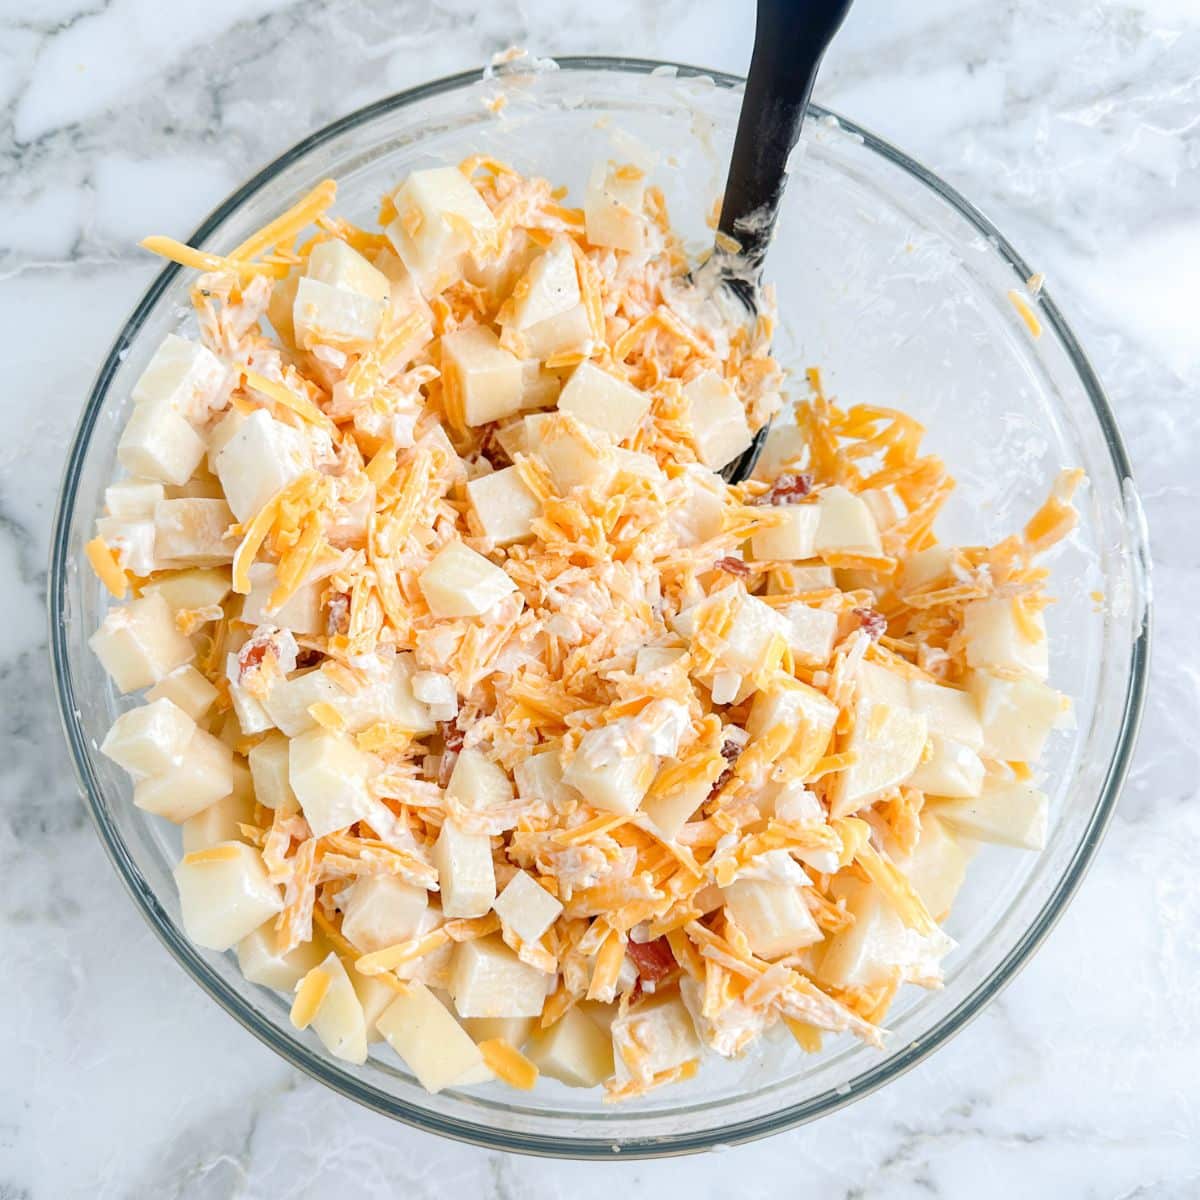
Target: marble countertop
x=1073, y=125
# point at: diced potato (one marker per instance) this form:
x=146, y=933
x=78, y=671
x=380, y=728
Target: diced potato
x=193, y=532
x=602, y=401
x=784, y=446
x=220, y=821
x=341, y=266
x=432, y=969
x=607, y=777
x=1014, y=814
x=224, y=894
x=572, y=455
x=800, y=577
x=466, y=874
x=1016, y=714
x=332, y=315
x=252, y=717
x=328, y=774
x=261, y=962
x=549, y=288
x=261, y=457
x=754, y=626
x=389, y=698
x=811, y=633
x=506, y=508
x=719, y=427
x=574, y=1050
x=301, y=613
x=430, y=1042
x=381, y=911
x=133, y=499
x=525, y=907
x=268, y=761
x=339, y=1021
x=878, y=684
x=539, y=777
x=773, y=916
x=878, y=944
x=794, y=539
x=888, y=743
x=478, y=783
x=672, y=810
x=150, y=739
x=197, y=588
x=187, y=689
x=461, y=583
x=952, y=769
x=513, y=1030
x=938, y=865
x=998, y=639
x=795, y=705
x=612, y=208
x=281, y=305
x=881, y=506
x=846, y=524
x=159, y=444
x=638, y=465
x=925, y=567
x=288, y=701
x=204, y=776
x=653, y=658
x=565, y=333
x=184, y=375
x=539, y=389
x=951, y=712
x=488, y=980
x=655, y=1035
x=487, y=380
x=138, y=644
x=441, y=216
x=132, y=544
x=701, y=516
x=375, y=996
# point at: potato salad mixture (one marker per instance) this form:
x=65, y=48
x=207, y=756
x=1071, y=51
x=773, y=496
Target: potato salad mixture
x=498, y=726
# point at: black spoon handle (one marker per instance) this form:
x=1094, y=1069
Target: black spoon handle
x=790, y=39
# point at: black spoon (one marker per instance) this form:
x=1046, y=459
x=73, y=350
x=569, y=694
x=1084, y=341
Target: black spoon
x=790, y=39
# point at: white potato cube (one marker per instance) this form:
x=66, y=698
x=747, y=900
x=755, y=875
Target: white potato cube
x=187, y=689
x=784, y=446
x=301, y=612
x=328, y=774
x=1016, y=715
x=260, y=458
x=488, y=980
x=655, y=1035
x=653, y=658
x=602, y=401
x=998, y=639
x=268, y=761
x=638, y=465
x=773, y=916
x=341, y=266
x=800, y=577
x=513, y=1030
x=185, y=375
x=811, y=633
x=937, y=867
x=288, y=701
x=539, y=389
x=672, y=810
x=1014, y=814
x=751, y=632
x=224, y=894
x=925, y=567
x=441, y=217
x=323, y=314
x=539, y=777
x=526, y=907
x=150, y=739
x=133, y=499
x=846, y=525
x=573, y=456
x=461, y=583
x=339, y=1020
x=952, y=769
x=221, y=820
x=388, y=697
x=574, y=1050
x=951, y=712
x=132, y=543
x=607, y=775
x=505, y=507
x=701, y=516
x=568, y=332
x=478, y=783
x=382, y=911
x=487, y=379
x=138, y=644
x=260, y=960
x=719, y=427
x=252, y=717
x=612, y=207
x=466, y=873
x=204, y=776
x=193, y=532
x=159, y=444
x=375, y=996
x=548, y=288
x=199, y=587
x=888, y=743
x=797, y=706
x=430, y=1042
x=882, y=507
x=794, y=538
x=879, y=684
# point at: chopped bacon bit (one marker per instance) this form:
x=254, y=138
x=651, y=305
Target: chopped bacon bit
x=732, y=566
x=306, y=656
x=337, y=619
x=491, y=449
x=452, y=736
x=789, y=488
x=654, y=960
x=730, y=752
x=874, y=624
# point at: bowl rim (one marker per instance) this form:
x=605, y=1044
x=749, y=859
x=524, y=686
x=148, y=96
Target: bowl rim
x=572, y=1147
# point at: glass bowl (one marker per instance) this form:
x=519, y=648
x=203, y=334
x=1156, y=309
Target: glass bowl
x=899, y=290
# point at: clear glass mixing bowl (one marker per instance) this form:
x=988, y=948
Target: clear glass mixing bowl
x=898, y=289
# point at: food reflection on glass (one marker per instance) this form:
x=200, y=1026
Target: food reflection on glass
x=498, y=726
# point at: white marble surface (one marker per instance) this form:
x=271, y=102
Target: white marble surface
x=1074, y=125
